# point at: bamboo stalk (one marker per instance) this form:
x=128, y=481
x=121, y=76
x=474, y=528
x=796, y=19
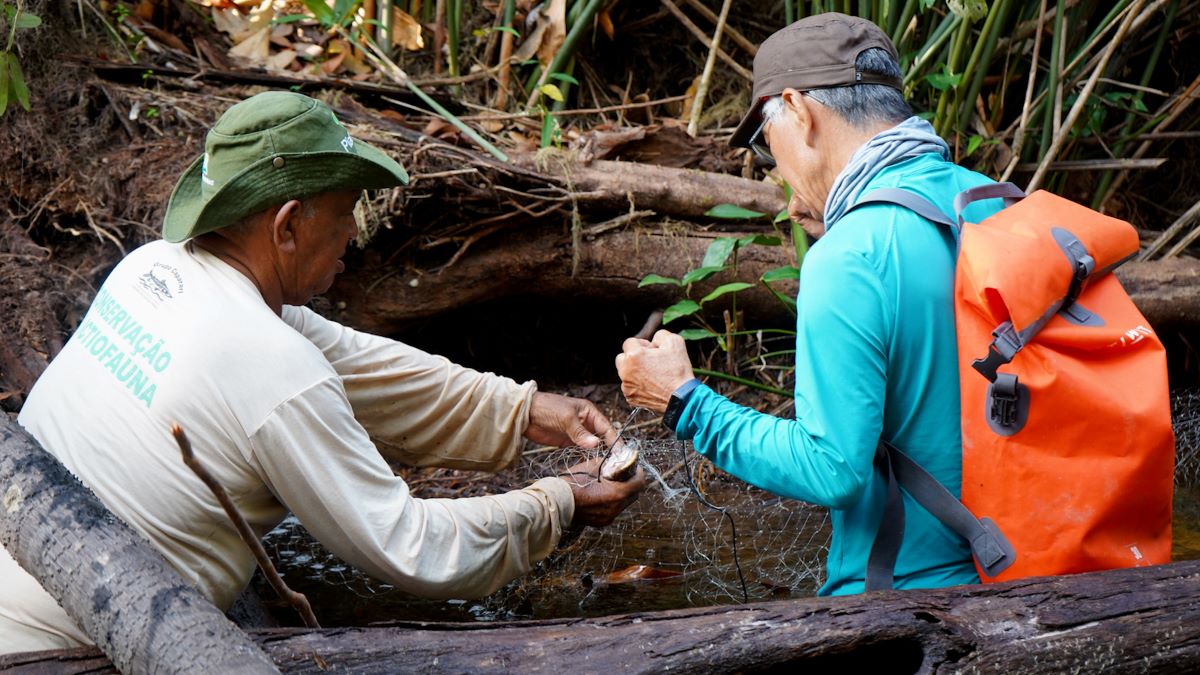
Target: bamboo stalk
x=981, y=57
x=1018, y=144
x=1051, y=120
x=706, y=76
x=296, y=600
x=1147, y=73
x=1080, y=102
x=695, y=30
x=439, y=35
x=506, y=50
x=956, y=52
x=566, y=52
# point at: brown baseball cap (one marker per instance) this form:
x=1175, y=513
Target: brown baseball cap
x=815, y=52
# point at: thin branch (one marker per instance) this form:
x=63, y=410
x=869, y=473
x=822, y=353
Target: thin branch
x=695, y=30
x=1170, y=233
x=738, y=39
x=296, y=600
x=1080, y=103
x=706, y=76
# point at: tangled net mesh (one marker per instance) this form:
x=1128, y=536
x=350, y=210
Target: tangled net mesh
x=667, y=550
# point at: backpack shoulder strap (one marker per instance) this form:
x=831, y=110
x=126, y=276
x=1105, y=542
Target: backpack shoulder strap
x=911, y=201
x=991, y=549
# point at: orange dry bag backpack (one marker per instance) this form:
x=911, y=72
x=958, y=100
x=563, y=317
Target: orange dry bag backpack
x=1068, y=452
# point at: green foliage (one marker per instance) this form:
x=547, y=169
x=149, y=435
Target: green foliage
x=12, y=78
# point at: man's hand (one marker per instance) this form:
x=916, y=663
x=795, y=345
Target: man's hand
x=651, y=371
x=565, y=421
x=597, y=501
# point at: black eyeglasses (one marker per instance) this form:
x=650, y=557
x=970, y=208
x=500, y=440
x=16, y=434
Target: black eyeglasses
x=760, y=148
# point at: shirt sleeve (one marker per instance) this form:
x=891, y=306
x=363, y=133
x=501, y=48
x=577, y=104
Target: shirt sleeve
x=825, y=455
x=425, y=410
x=321, y=464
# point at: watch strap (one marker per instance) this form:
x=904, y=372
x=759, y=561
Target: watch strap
x=677, y=403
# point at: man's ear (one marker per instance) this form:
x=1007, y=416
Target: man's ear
x=283, y=226
x=801, y=108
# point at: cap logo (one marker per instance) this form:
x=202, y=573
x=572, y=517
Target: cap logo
x=348, y=143
x=204, y=171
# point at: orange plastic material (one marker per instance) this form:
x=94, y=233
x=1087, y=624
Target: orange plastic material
x=1086, y=484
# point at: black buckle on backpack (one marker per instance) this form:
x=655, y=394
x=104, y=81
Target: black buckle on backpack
x=1006, y=342
x=1007, y=404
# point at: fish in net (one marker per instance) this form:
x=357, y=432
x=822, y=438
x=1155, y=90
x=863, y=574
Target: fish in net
x=695, y=537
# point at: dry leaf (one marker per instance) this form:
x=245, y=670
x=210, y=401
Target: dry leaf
x=606, y=23
x=330, y=65
x=255, y=48
x=406, y=31
x=281, y=61
x=555, y=34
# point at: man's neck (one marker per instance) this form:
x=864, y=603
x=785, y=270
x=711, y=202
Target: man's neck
x=236, y=255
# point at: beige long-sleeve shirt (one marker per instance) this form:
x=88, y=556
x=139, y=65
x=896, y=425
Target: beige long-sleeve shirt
x=281, y=412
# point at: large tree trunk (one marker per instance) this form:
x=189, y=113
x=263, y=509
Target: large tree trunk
x=610, y=264
x=109, y=579
x=1122, y=621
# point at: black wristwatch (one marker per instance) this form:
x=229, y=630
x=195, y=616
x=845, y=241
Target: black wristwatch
x=678, y=400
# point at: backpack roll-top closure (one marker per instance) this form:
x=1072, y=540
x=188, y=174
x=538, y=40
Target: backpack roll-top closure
x=1039, y=254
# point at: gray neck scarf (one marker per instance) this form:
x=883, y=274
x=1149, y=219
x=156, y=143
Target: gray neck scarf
x=914, y=136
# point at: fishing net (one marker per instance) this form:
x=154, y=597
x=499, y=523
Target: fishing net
x=695, y=537
x=668, y=550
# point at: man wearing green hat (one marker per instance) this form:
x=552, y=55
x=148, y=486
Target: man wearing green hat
x=876, y=356
x=207, y=329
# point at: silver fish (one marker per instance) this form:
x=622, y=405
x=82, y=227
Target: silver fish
x=622, y=461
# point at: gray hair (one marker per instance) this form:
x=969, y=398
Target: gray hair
x=860, y=104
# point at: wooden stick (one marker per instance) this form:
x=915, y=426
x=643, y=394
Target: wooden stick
x=296, y=600
x=1098, y=164
x=738, y=39
x=706, y=76
x=651, y=326
x=1077, y=109
x=695, y=30
x=1020, y=135
x=1173, y=230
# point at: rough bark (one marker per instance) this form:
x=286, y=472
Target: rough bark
x=109, y=580
x=1121, y=621
x=382, y=300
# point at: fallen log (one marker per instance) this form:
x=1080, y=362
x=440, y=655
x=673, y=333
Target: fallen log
x=109, y=579
x=1120, y=621
x=383, y=299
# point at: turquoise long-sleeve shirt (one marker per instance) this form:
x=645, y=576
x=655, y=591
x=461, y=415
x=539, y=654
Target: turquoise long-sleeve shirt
x=876, y=357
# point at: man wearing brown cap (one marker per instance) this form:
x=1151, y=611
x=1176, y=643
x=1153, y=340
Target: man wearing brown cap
x=207, y=329
x=876, y=356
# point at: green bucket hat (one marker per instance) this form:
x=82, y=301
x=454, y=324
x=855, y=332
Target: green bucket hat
x=266, y=150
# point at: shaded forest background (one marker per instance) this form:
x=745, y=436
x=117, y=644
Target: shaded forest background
x=505, y=113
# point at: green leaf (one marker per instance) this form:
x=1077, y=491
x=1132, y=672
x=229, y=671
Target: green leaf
x=1139, y=105
x=718, y=251
x=725, y=289
x=651, y=279
x=291, y=18
x=696, y=334
x=681, y=308
x=927, y=115
x=563, y=77
x=973, y=144
x=781, y=216
x=789, y=303
x=781, y=274
x=506, y=29
x=760, y=239
x=17, y=82
x=320, y=10
x=3, y=82
x=552, y=91
x=732, y=212
x=27, y=20
x=800, y=242
x=943, y=80
x=700, y=274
